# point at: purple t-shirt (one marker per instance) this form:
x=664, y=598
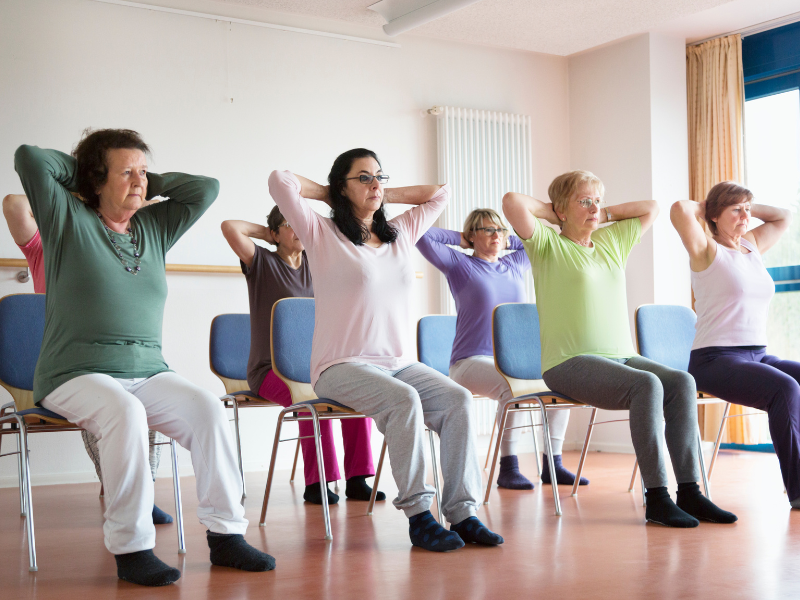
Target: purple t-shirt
x=477, y=286
x=269, y=279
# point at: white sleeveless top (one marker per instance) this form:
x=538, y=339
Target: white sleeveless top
x=732, y=299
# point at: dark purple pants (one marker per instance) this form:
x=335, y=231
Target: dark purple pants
x=747, y=375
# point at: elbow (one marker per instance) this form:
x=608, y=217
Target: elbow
x=226, y=227
x=12, y=204
x=509, y=202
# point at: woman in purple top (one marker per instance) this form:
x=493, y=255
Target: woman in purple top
x=479, y=283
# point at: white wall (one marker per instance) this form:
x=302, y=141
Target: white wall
x=298, y=101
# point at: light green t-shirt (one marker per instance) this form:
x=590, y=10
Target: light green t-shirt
x=580, y=292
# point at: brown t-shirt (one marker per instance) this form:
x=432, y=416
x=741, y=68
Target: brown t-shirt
x=269, y=279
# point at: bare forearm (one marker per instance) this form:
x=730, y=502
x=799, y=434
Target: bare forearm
x=630, y=210
x=415, y=194
x=247, y=229
x=313, y=190
x=539, y=209
x=769, y=214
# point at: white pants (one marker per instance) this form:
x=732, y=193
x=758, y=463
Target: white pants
x=479, y=375
x=119, y=412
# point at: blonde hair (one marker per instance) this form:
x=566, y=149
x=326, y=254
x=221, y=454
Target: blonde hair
x=563, y=187
x=475, y=220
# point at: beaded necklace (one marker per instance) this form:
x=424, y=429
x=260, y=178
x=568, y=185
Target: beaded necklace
x=136, y=256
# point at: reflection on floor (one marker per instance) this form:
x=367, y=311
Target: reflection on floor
x=599, y=548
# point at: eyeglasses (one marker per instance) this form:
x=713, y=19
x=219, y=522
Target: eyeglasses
x=490, y=231
x=587, y=202
x=285, y=225
x=367, y=179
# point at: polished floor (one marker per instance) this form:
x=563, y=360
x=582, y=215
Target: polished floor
x=599, y=548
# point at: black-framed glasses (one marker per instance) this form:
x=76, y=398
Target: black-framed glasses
x=367, y=179
x=490, y=231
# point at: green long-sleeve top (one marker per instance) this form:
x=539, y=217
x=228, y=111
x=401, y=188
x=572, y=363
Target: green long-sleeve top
x=99, y=317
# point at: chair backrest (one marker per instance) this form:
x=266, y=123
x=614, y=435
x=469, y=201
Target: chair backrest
x=229, y=345
x=292, y=336
x=664, y=334
x=515, y=337
x=21, y=333
x=435, y=336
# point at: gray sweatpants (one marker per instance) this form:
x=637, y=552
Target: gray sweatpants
x=401, y=403
x=654, y=394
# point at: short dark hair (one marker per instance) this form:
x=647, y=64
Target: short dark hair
x=721, y=196
x=275, y=220
x=91, y=153
x=342, y=209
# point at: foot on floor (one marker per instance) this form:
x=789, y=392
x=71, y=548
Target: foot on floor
x=145, y=568
x=472, y=531
x=357, y=489
x=691, y=501
x=563, y=475
x=426, y=533
x=663, y=511
x=314, y=495
x=510, y=477
x=230, y=550
x=160, y=517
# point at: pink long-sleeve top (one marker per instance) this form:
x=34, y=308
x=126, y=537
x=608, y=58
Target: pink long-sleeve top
x=363, y=294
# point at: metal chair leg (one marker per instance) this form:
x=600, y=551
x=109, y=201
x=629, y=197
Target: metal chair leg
x=238, y=445
x=491, y=439
x=549, y=446
x=719, y=439
x=271, y=471
x=633, y=475
x=535, y=445
x=703, y=465
x=323, y=484
x=500, y=431
x=584, y=450
x=435, y=464
x=294, y=464
x=23, y=511
x=644, y=491
x=176, y=486
x=26, y=478
x=377, y=479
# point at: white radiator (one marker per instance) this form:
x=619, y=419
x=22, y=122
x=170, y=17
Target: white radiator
x=482, y=155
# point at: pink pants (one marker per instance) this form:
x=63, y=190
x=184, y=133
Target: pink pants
x=356, y=434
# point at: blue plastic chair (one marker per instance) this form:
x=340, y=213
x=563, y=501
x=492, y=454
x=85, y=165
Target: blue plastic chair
x=22, y=319
x=292, y=333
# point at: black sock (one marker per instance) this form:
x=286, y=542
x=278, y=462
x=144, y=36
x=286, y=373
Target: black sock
x=662, y=510
x=472, y=531
x=696, y=504
x=426, y=533
x=160, y=517
x=230, y=550
x=357, y=489
x=510, y=477
x=563, y=475
x=145, y=568
x=313, y=494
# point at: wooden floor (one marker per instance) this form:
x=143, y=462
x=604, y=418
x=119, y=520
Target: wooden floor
x=599, y=548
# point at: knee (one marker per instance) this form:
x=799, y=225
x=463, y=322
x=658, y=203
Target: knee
x=787, y=391
x=648, y=389
x=208, y=407
x=461, y=400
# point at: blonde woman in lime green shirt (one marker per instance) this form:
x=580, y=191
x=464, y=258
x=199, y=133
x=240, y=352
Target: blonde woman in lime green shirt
x=587, y=354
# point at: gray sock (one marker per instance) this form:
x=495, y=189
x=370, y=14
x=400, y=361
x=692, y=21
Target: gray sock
x=795, y=503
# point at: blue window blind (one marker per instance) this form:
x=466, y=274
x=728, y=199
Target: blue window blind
x=771, y=61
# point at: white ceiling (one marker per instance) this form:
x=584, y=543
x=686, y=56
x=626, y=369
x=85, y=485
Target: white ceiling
x=560, y=27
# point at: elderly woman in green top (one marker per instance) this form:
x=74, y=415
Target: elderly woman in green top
x=579, y=277
x=101, y=366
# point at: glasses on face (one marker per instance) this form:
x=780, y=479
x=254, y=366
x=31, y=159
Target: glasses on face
x=367, y=179
x=490, y=231
x=285, y=225
x=587, y=202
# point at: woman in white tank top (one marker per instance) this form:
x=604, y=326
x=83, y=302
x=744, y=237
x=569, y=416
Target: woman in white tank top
x=732, y=293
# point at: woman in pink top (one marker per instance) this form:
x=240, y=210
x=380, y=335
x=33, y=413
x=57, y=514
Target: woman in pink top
x=732, y=291
x=363, y=354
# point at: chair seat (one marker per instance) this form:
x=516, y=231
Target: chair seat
x=42, y=414
x=246, y=397
x=325, y=405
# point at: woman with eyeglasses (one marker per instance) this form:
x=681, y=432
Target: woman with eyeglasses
x=579, y=277
x=479, y=282
x=363, y=354
x=272, y=276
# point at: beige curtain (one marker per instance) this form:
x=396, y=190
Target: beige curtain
x=715, y=97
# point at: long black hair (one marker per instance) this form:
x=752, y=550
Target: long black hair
x=343, y=216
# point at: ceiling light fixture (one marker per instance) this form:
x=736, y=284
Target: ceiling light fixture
x=403, y=15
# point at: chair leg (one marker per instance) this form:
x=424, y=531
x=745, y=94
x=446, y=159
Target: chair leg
x=26, y=479
x=500, y=431
x=644, y=490
x=535, y=445
x=633, y=475
x=376, y=480
x=435, y=465
x=703, y=465
x=23, y=511
x=238, y=445
x=549, y=446
x=719, y=440
x=491, y=439
x=584, y=450
x=294, y=464
x=176, y=486
x=271, y=471
x=321, y=471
